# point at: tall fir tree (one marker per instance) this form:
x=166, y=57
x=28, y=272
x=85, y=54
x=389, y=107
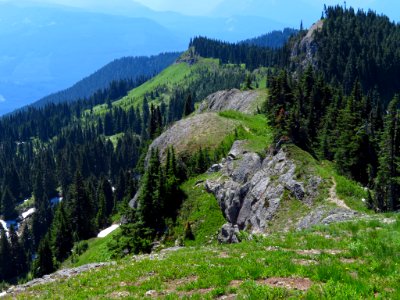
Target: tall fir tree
x=8, y=205
x=387, y=181
x=61, y=235
x=44, y=262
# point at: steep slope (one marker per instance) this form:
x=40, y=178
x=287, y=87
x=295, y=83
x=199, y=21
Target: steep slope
x=126, y=68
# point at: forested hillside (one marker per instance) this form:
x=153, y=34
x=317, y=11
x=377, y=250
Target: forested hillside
x=123, y=69
x=87, y=152
x=273, y=39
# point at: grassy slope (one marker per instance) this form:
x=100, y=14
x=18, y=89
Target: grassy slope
x=173, y=76
x=364, y=266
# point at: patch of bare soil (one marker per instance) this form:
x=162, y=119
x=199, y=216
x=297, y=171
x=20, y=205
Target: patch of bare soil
x=304, y=262
x=235, y=283
x=223, y=255
x=301, y=284
x=228, y=297
x=334, y=198
x=118, y=295
x=318, y=251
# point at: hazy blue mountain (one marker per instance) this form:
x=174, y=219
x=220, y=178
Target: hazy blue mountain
x=47, y=49
x=120, y=69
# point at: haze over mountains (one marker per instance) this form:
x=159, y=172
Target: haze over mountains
x=48, y=45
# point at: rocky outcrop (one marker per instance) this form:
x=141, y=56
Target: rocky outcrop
x=326, y=215
x=304, y=52
x=59, y=275
x=192, y=133
x=250, y=189
x=243, y=101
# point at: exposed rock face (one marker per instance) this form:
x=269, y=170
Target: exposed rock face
x=250, y=189
x=190, y=134
x=230, y=100
x=326, y=215
x=304, y=52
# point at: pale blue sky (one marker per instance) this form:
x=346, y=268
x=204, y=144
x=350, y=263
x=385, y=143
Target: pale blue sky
x=283, y=10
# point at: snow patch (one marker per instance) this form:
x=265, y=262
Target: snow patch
x=28, y=213
x=7, y=224
x=107, y=231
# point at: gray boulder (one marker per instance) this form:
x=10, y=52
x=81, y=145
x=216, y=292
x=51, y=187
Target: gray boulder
x=228, y=234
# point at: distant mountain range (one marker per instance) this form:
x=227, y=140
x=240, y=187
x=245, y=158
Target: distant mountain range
x=48, y=48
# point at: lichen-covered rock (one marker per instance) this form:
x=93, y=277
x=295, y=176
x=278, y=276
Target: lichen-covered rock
x=250, y=189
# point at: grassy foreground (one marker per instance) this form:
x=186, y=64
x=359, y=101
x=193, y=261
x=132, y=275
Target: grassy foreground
x=354, y=260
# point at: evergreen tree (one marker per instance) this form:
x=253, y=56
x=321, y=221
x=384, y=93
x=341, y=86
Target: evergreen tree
x=44, y=263
x=101, y=216
x=386, y=185
x=61, y=235
x=188, y=107
x=8, y=205
x=18, y=259
x=79, y=209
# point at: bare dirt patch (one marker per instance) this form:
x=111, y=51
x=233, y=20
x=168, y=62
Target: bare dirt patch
x=304, y=262
x=174, y=284
x=228, y=297
x=140, y=280
x=334, y=198
x=301, y=284
x=235, y=283
x=223, y=255
x=318, y=251
x=118, y=295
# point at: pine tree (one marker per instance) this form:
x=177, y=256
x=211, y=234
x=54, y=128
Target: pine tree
x=79, y=209
x=8, y=205
x=44, y=263
x=61, y=236
x=101, y=216
x=386, y=184
x=18, y=259
x=188, y=107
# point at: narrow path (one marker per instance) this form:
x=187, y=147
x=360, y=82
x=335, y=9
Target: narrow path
x=334, y=198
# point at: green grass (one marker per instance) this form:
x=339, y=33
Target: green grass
x=114, y=138
x=255, y=129
x=97, y=252
x=176, y=75
x=365, y=266
x=201, y=210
